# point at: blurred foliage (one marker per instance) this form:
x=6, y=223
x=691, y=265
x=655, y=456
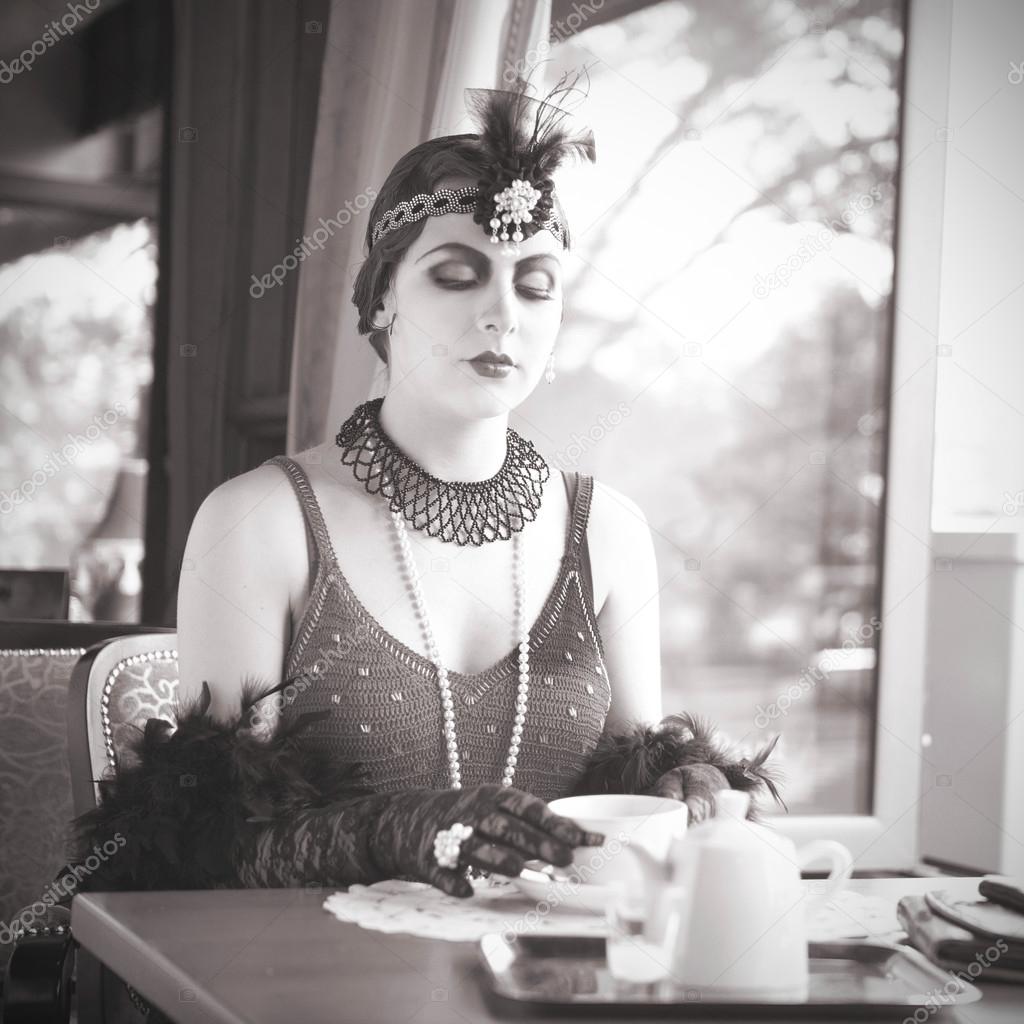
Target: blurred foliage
x=731, y=290
x=75, y=371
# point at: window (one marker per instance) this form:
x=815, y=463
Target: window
x=731, y=297
x=75, y=370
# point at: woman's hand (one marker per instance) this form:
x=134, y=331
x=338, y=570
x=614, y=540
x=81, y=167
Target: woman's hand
x=695, y=785
x=510, y=826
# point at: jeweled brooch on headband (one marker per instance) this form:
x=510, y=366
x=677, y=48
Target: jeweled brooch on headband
x=515, y=198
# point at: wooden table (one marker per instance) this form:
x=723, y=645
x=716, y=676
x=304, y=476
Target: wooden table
x=275, y=956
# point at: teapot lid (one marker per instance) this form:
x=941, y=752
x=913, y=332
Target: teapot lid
x=732, y=803
x=728, y=824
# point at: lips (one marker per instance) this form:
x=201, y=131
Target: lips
x=502, y=359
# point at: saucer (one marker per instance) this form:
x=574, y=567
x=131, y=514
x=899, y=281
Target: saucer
x=539, y=882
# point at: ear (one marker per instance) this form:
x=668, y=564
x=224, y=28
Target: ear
x=387, y=306
x=380, y=339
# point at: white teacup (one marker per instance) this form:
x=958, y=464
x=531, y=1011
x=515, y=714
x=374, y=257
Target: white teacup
x=623, y=819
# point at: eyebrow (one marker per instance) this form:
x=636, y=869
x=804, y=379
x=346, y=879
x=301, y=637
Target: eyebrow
x=476, y=254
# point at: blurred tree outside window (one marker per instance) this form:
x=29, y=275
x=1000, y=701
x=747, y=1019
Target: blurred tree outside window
x=75, y=372
x=727, y=338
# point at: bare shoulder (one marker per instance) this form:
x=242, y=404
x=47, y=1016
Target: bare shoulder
x=610, y=503
x=258, y=500
x=324, y=468
x=241, y=559
x=616, y=531
x=630, y=618
x=254, y=513
x=616, y=520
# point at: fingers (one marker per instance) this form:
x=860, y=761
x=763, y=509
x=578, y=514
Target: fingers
x=702, y=780
x=536, y=812
x=488, y=856
x=693, y=784
x=449, y=880
x=669, y=785
x=526, y=840
x=700, y=807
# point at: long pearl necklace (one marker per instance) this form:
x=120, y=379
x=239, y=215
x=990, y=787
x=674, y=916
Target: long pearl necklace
x=447, y=704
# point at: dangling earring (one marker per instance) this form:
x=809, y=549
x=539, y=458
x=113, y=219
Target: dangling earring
x=549, y=373
x=382, y=327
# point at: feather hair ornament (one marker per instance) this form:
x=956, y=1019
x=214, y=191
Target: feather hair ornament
x=680, y=757
x=525, y=140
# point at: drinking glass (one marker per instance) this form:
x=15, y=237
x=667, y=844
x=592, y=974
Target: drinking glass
x=645, y=925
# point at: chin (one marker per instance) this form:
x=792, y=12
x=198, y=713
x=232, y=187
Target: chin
x=483, y=397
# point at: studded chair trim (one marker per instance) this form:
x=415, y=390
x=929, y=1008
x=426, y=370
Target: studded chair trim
x=116, y=686
x=34, y=652
x=165, y=654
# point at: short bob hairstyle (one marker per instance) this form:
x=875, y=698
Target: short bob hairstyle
x=425, y=168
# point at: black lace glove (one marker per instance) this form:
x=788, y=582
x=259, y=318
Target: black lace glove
x=510, y=826
x=391, y=835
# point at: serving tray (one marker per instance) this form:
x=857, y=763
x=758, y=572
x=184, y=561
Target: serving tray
x=567, y=972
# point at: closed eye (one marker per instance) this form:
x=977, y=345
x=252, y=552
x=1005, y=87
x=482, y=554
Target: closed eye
x=458, y=286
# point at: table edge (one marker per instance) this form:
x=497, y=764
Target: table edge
x=86, y=914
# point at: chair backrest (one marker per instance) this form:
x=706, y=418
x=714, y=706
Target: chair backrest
x=37, y=659
x=115, y=688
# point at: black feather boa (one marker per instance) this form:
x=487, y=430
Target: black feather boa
x=176, y=808
x=633, y=761
x=185, y=793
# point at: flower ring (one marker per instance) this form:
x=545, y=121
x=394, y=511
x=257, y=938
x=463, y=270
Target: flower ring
x=447, y=843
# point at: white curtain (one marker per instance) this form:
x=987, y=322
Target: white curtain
x=393, y=76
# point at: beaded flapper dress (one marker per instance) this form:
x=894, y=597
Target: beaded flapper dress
x=382, y=696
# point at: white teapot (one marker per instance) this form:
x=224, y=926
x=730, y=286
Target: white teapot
x=745, y=936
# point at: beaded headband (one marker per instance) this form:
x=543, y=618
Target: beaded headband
x=514, y=198
x=464, y=200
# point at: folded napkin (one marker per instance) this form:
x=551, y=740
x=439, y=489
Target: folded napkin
x=981, y=938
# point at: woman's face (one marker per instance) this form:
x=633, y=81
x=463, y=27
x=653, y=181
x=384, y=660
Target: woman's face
x=457, y=295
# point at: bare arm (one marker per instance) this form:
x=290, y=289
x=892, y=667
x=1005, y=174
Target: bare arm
x=629, y=620
x=233, y=594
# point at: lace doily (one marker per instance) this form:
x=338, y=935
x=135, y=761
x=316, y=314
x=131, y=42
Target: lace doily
x=417, y=908
x=852, y=915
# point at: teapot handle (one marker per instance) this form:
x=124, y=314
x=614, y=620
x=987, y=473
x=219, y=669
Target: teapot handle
x=842, y=864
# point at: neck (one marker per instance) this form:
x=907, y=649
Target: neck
x=448, y=447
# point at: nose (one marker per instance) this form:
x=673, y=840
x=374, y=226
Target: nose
x=501, y=316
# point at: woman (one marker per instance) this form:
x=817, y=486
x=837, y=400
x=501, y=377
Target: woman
x=376, y=583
